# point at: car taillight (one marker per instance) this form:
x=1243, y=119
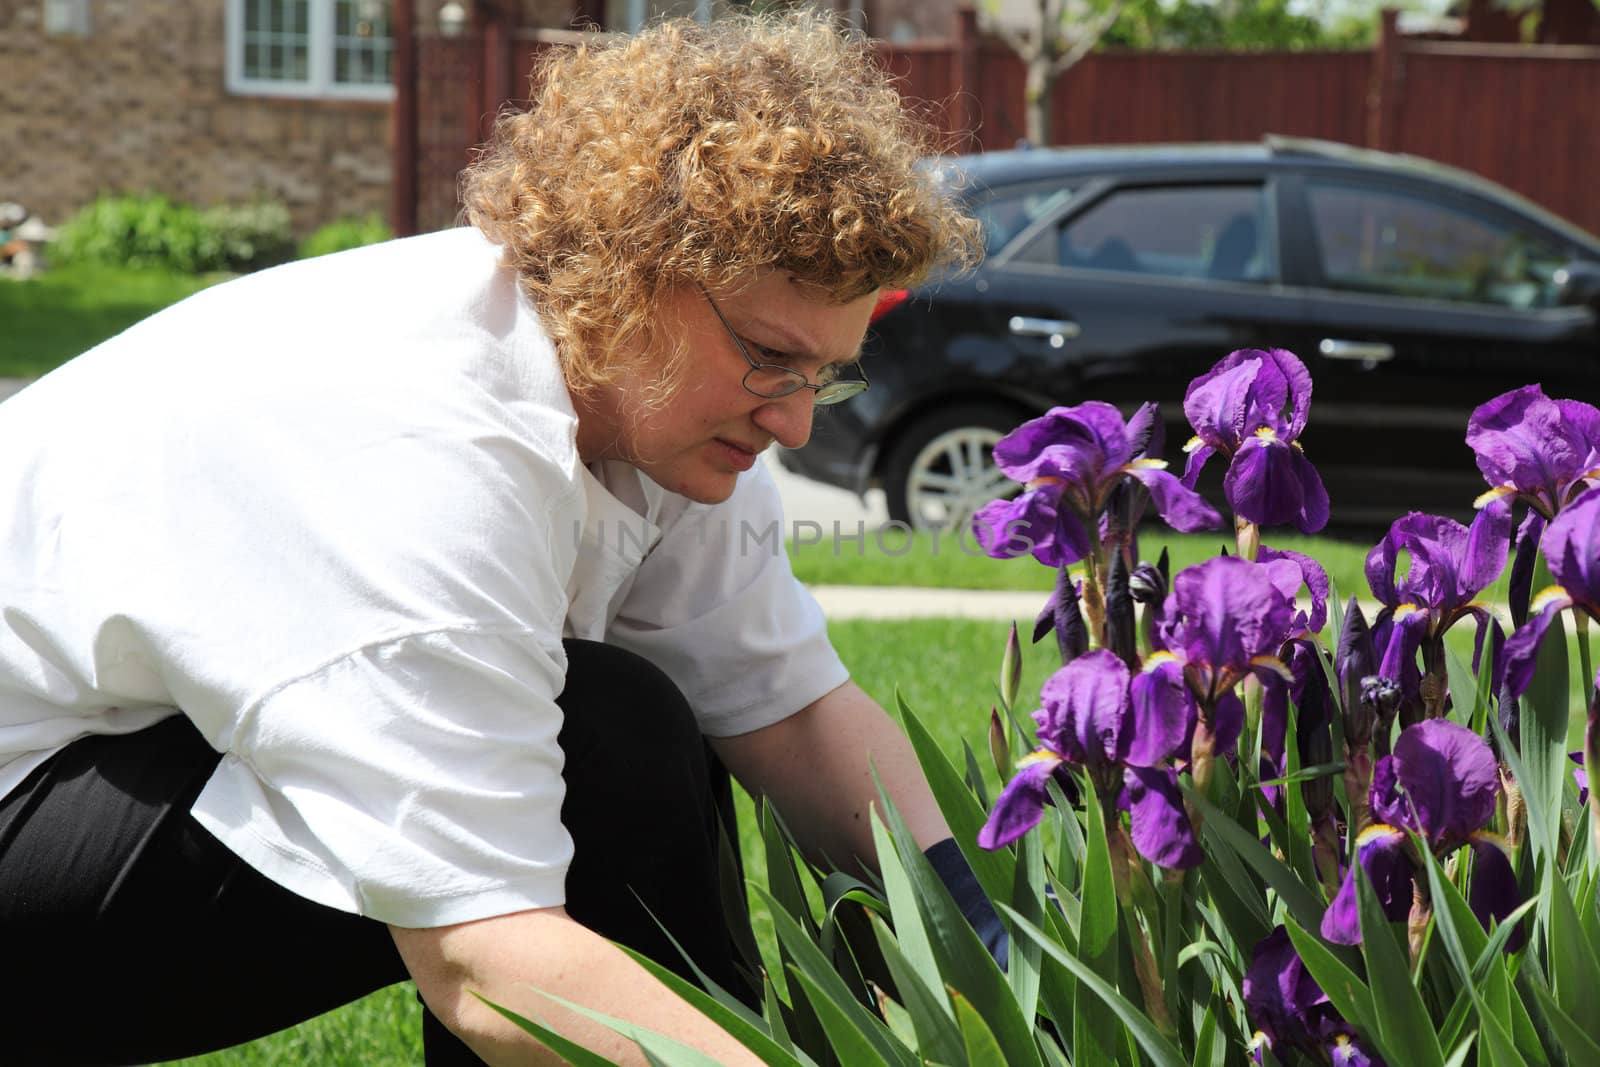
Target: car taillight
x=888, y=300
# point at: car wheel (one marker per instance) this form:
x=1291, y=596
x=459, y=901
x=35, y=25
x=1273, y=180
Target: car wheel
x=941, y=469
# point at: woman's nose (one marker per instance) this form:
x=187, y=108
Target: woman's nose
x=787, y=419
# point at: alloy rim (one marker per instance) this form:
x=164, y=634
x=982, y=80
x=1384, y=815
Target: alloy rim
x=953, y=476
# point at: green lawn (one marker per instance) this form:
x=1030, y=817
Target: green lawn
x=67, y=310
x=947, y=562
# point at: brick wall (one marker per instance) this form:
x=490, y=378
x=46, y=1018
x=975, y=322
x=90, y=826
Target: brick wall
x=139, y=104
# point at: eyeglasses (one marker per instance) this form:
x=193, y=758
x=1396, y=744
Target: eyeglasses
x=773, y=381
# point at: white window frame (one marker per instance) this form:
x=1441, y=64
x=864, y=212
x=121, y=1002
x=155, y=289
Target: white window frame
x=318, y=84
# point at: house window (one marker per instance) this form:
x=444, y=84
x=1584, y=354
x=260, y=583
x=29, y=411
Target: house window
x=310, y=48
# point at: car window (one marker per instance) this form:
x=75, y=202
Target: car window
x=1218, y=232
x=1007, y=213
x=1402, y=244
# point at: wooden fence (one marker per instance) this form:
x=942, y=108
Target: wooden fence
x=1525, y=116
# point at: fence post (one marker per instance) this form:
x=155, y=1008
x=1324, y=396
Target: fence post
x=403, y=144
x=498, y=41
x=1386, y=88
x=964, y=77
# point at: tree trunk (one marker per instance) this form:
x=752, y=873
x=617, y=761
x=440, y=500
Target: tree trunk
x=1036, y=94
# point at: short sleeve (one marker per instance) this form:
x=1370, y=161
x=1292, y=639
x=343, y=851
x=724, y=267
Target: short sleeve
x=354, y=787
x=716, y=606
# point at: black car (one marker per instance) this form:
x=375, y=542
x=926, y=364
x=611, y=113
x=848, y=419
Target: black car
x=1412, y=291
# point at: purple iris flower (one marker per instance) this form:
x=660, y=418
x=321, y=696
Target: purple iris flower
x=1252, y=407
x=1089, y=721
x=1543, y=451
x=1450, y=564
x=1440, y=783
x=1316, y=583
x=1224, y=619
x=1291, y=1013
x=1572, y=552
x=1070, y=461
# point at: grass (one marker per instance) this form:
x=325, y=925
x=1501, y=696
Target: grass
x=68, y=310
x=947, y=562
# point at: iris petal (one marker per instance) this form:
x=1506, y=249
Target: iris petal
x=1262, y=484
x=1196, y=461
x=1182, y=508
x=1298, y=380
x=1381, y=853
x=1314, y=507
x=1522, y=647
x=1020, y=806
x=1004, y=528
x=1311, y=574
x=1494, y=884
x=1218, y=402
x=1520, y=584
x=1572, y=548
x=1404, y=636
x=1086, y=710
x=1484, y=556
x=1520, y=438
x=1280, y=995
x=1161, y=830
x=1227, y=723
x=1163, y=709
x=1450, y=779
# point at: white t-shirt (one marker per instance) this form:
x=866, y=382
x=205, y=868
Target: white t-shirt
x=334, y=512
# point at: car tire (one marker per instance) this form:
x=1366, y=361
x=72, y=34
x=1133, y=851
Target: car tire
x=940, y=468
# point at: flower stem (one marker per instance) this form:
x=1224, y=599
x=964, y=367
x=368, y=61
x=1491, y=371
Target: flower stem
x=1325, y=854
x=1358, y=786
x=1094, y=600
x=1516, y=807
x=1435, y=685
x=1247, y=535
x=1580, y=622
x=1417, y=922
x=1202, y=757
x=1591, y=764
x=1124, y=864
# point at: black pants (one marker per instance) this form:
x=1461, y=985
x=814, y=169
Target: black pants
x=129, y=934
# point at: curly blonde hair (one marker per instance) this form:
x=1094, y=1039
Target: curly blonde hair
x=701, y=154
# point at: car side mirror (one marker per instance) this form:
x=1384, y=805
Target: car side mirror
x=1578, y=285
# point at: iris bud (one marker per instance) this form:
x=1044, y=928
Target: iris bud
x=1121, y=637
x=999, y=745
x=1011, y=669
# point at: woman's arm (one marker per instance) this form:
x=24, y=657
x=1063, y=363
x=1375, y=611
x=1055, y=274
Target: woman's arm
x=508, y=958
x=816, y=768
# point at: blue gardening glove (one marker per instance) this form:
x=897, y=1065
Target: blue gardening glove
x=953, y=870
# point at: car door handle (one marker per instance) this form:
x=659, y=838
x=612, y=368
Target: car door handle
x=1368, y=352
x=1060, y=331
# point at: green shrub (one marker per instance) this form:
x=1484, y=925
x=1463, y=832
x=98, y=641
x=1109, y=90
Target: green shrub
x=250, y=236
x=346, y=233
x=136, y=231
x=150, y=231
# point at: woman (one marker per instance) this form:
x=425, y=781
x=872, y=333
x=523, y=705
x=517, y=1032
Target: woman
x=369, y=617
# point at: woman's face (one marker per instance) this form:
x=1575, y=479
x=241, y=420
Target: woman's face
x=712, y=428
